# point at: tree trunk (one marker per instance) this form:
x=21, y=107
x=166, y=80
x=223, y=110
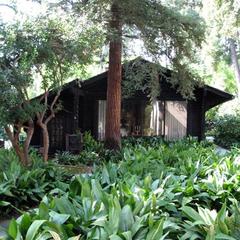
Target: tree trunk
x=45, y=138
x=45, y=142
x=43, y=123
x=235, y=63
x=27, y=142
x=16, y=146
x=113, y=114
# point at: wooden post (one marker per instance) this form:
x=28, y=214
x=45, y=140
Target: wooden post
x=75, y=110
x=202, y=134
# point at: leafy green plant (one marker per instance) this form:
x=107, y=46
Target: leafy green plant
x=93, y=153
x=83, y=158
x=90, y=144
x=179, y=190
x=23, y=187
x=227, y=130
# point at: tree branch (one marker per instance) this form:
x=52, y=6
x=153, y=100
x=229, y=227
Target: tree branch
x=52, y=115
x=8, y=6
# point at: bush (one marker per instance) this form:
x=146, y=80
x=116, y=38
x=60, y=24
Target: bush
x=23, y=187
x=227, y=130
x=93, y=151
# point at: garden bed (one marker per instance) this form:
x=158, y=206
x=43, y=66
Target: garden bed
x=154, y=191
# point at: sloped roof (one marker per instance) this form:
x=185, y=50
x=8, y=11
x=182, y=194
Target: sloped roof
x=217, y=96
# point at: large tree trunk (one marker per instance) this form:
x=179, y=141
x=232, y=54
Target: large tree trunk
x=235, y=63
x=113, y=114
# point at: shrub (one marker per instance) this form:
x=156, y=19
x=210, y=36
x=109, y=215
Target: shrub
x=90, y=144
x=227, y=130
x=23, y=187
x=93, y=152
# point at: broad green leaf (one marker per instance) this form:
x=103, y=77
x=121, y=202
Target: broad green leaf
x=4, y=204
x=86, y=190
x=224, y=237
x=33, y=229
x=24, y=222
x=65, y=206
x=98, y=192
x=127, y=235
x=222, y=213
x=13, y=229
x=75, y=238
x=115, y=237
x=58, y=218
x=192, y=214
x=156, y=232
x=114, y=215
x=138, y=223
x=100, y=221
x=54, y=235
x=126, y=219
x=43, y=211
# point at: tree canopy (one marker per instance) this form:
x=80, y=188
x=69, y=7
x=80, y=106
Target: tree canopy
x=45, y=48
x=165, y=29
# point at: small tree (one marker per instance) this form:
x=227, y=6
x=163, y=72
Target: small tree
x=47, y=48
x=62, y=47
x=15, y=78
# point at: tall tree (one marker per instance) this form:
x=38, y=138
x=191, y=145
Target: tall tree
x=113, y=114
x=164, y=29
x=225, y=19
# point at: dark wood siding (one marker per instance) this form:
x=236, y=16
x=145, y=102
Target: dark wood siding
x=80, y=108
x=194, y=120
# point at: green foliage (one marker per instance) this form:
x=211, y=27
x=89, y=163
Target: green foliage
x=83, y=158
x=222, y=19
x=166, y=30
x=93, y=152
x=23, y=187
x=227, y=74
x=178, y=190
x=226, y=130
x=90, y=144
x=47, y=46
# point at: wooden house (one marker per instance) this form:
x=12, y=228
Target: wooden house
x=170, y=116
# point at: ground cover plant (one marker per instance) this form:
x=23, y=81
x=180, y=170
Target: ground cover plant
x=22, y=187
x=180, y=190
